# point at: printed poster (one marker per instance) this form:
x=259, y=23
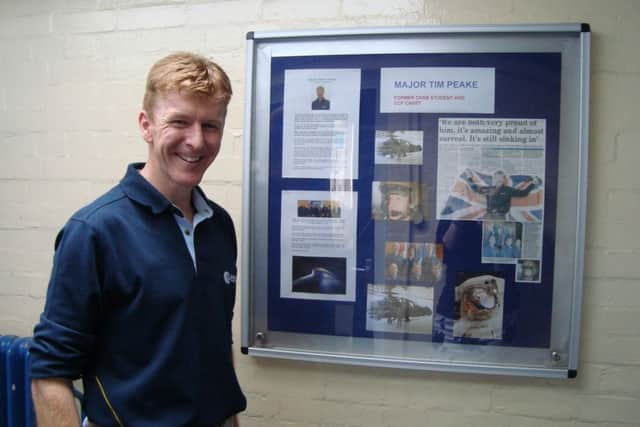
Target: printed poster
x=321, y=123
x=437, y=90
x=318, y=245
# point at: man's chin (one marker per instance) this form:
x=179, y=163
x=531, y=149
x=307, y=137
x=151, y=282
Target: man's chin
x=188, y=181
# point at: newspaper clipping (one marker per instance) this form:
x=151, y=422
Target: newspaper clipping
x=318, y=245
x=492, y=170
x=320, y=123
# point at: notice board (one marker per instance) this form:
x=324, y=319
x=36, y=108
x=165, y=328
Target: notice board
x=415, y=197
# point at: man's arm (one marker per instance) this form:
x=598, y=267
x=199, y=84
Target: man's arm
x=235, y=422
x=525, y=191
x=476, y=188
x=467, y=175
x=64, y=337
x=54, y=403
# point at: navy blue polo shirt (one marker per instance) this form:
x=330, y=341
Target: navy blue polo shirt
x=126, y=310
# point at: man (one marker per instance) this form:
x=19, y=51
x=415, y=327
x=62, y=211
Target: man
x=491, y=250
x=395, y=261
x=400, y=202
x=478, y=308
x=499, y=195
x=320, y=103
x=414, y=264
x=509, y=250
x=142, y=290
x=528, y=270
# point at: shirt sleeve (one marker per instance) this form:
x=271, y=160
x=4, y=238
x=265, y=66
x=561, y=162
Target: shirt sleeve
x=524, y=192
x=230, y=289
x=65, y=335
x=476, y=188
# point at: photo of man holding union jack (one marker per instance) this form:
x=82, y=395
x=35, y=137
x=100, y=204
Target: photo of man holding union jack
x=497, y=196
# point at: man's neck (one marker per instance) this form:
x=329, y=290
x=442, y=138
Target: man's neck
x=186, y=207
x=180, y=198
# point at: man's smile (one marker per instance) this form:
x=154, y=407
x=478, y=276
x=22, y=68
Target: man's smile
x=190, y=159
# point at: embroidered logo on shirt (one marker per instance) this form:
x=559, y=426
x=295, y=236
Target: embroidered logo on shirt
x=229, y=278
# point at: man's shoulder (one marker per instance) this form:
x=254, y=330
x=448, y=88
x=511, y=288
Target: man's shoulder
x=108, y=204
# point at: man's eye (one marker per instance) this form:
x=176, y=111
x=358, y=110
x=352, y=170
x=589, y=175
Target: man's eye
x=179, y=123
x=210, y=126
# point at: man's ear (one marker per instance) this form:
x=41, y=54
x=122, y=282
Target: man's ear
x=145, y=126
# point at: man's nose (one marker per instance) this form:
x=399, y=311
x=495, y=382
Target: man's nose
x=196, y=136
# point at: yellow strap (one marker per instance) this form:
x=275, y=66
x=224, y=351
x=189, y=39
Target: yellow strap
x=106, y=399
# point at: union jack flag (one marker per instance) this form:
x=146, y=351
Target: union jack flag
x=467, y=203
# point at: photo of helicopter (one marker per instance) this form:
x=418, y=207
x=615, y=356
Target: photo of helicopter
x=392, y=308
x=398, y=147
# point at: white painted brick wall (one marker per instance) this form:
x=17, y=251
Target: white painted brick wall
x=151, y=17
x=223, y=13
x=71, y=81
x=85, y=22
x=359, y=8
x=284, y=10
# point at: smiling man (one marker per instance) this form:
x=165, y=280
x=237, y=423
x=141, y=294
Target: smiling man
x=142, y=291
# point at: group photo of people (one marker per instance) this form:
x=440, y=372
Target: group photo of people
x=319, y=209
x=413, y=262
x=501, y=239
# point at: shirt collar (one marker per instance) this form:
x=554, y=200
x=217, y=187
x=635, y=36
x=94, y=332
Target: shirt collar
x=200, y=205
x=137, y=188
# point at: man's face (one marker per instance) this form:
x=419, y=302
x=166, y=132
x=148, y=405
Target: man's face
x=320, y=92
x=184, y=136
x=398, y=206
x=529, y=271
x=393, y=270
x=416, y=271
x=436, y=270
